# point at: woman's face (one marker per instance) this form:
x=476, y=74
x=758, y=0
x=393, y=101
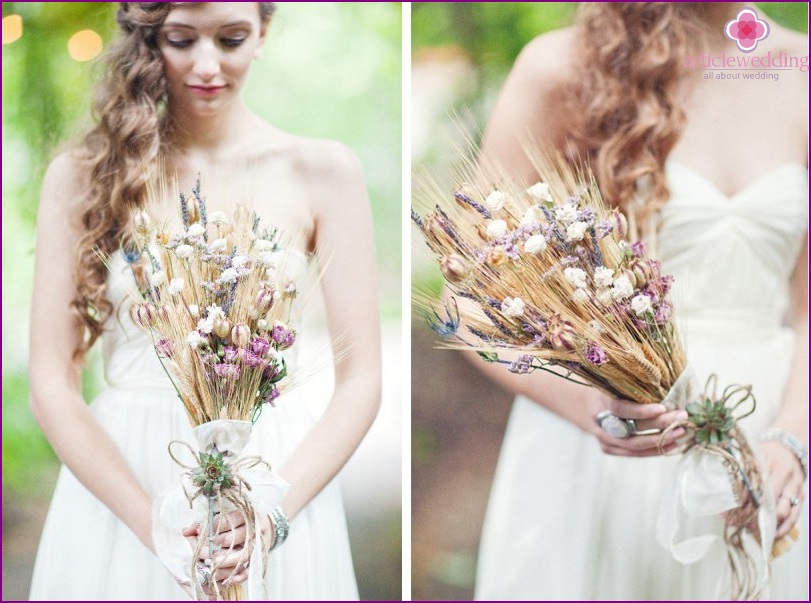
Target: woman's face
x=207, y=51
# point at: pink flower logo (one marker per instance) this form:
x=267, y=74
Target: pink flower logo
x=747, y=30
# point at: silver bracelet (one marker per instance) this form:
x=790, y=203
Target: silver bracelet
x=281, y=527
x=797, y=448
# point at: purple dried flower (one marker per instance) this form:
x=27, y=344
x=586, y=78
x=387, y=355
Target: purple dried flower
x=663, y=313
x=512, y=252
x=259, y=346
x=231, y=353
x=252, y=359
x=586, y=215
x=417, y=219
x=283, y=336
x=271, y=371
x=271, y=396
x=226, y=370
x=638, y=248
x=595, y=355
x=521, y=366
x=165, y=348
x=604, y=228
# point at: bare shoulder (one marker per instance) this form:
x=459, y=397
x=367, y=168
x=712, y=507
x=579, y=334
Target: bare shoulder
x=794, y=82
x=548, y=61
x=64, y=186
x=792, y=42
x=321, y=168
x=326, y=161
x=532, y=102
x=795, y=46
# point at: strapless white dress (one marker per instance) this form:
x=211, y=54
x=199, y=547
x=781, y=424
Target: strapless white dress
x=566, y=521
x=86, y=553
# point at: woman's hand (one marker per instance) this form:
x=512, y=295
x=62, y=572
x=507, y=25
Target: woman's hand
x=647, y=417
x=233, y=553
x=786, y=479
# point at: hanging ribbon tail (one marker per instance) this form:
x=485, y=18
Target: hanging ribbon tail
x=701, y=490
x=267, y=491
x=691, y=528
x=171, y=514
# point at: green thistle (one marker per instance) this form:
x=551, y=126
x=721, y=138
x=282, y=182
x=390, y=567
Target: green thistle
x=213, y=474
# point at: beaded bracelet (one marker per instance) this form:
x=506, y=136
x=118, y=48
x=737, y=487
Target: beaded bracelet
x=281, y=527
x=791, y=442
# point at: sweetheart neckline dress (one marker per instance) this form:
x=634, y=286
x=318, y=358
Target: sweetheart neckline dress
x=86, y=553
x=567, y=522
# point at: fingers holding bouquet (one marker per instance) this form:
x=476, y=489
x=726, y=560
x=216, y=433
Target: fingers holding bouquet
x=230, y=562
x=627, y=428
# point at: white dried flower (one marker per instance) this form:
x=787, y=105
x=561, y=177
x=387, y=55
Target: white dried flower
x=532, y=216
x=229, y=275
x=566, y=212
x=540, y=191
x=641, y=305
x=603, y=277
x=576, y=230
x=194, y=310
x=195, y=340
x=496, y=228
x=622, y=288
x=267, y=259
x=513, y=306
x=262, y=324
x=157, y=278
x=213, y=313
x=239, y=260
x=535, y=244
x=495, y=200
x=580, y=296
x=218, y=245
x=184, y=251
x=196, y=230
x=575, y=276
x=217, y=217
x=604, y=296
x=261, y=245
x=176, y=285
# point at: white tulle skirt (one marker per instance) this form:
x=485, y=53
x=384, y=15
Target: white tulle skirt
x=86, y=553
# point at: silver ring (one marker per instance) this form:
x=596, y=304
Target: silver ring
x=615, y=426
x=792, y=500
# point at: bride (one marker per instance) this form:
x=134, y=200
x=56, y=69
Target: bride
x=721, y=170
x=172, y=89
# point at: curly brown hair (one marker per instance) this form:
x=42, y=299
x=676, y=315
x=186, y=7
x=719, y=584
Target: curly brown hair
x=131, y=132
x=627, y=116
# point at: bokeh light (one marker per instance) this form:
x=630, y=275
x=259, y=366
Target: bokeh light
x=85, y=45
x=12, y=28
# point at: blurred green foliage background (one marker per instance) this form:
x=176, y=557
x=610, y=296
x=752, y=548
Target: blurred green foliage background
x=329, y=70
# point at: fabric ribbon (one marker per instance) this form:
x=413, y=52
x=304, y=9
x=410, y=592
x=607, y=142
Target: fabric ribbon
x=257, y=488
x=710, y=482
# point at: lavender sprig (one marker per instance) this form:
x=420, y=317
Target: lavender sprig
x=460, y=196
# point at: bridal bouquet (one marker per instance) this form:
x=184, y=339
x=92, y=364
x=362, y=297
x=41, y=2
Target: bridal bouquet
x=547, y=276
x=216, y=300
